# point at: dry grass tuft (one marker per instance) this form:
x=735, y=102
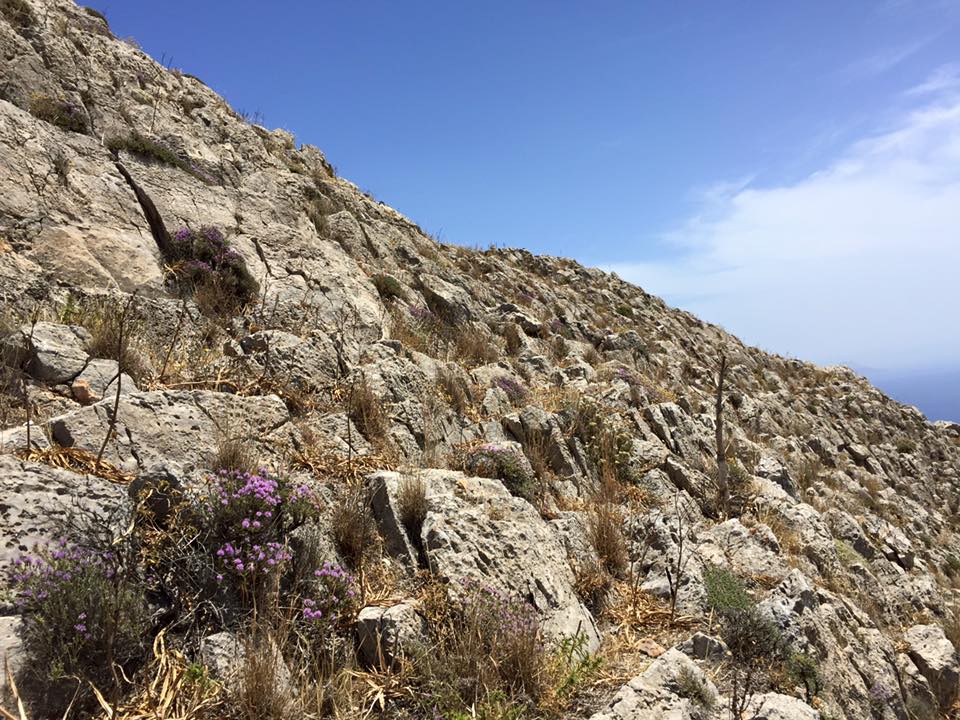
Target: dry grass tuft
x=353, y=527
x=76, y=460
x=605, y=531
x=413, y=504
x=366, y=411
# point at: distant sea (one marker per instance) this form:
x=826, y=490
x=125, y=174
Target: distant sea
x=935, y=392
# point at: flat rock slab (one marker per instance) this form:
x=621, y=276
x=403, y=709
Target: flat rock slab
x=38, y=499
x=476, y=529
x=179, y=429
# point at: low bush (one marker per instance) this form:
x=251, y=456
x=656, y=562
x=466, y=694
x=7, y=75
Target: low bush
x=502, y=463
x=905, y=446
x=489, y=646
x=139, y=144
x=204, y=262
x=608, y=445
x=726, y=593
x=64, y=114
x=387, y=286
x=755, y=646
x=84, y=619
x=694, y=688
x=516, y=391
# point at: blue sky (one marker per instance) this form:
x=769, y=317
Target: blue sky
x=788, y=170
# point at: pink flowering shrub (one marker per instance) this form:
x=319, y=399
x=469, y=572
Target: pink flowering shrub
x=334, y=601
x=203, y=259
x=81, y=612
x=249, y=517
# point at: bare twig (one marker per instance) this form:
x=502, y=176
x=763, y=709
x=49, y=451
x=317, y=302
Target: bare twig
x=119, y=377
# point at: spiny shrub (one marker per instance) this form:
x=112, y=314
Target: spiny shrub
x=726, y=593
x=387, y=286
x=905, y=445
x=803, y=670
x=64, y=114
x=203, y=261
x=81, y=615
x=515, y=390
x=503, y=463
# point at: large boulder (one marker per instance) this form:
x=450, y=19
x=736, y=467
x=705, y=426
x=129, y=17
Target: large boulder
x=475, y=529
x=774, y=706
x=179, y=429
x=50, y=352
x=38, y=500
x=936, y=658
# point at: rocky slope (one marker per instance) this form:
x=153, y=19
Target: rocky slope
x=541, y=428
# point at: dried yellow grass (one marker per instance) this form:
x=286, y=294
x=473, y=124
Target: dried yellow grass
x=76, y=460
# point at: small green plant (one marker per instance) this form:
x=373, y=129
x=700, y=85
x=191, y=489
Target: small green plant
x=94, y=13
x=56, y=111
x=503, y=463
x=694, y=687
x=726, y=593
x=755, y=646
x=624, y=310
x=905, y=446
x=846, y=554
x=387, y=286
x=803, y=670
x=139, y=144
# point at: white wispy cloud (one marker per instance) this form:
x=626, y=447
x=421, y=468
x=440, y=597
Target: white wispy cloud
x=945, y=78
x=883, y=61
x=858, y=262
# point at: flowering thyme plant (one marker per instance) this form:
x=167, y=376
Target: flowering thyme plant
x=249, y=516
x=334, y=600
x=80, y=611
x=205, y=258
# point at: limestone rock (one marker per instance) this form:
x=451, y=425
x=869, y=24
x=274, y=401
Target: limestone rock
x=476, y=529
x=385, y=634
x=937, y=660
x=656, y=692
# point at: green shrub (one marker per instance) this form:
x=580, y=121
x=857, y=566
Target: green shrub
x=388, y=286
x=906, y=446
x=755, y=646
x=92, y=12
x=504, y=463
x=607, y=444
x=803, y=670
x=694, y=687
x=726, y=593
x=56, y=111
x=138, y=144
x=624, y=310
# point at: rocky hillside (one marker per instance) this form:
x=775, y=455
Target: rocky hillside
x=267, y=449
